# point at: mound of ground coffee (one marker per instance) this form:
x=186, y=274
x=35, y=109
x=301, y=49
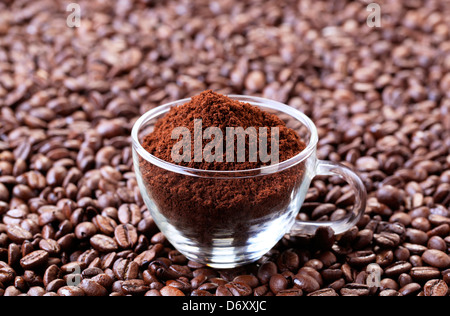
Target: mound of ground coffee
x=207, y=206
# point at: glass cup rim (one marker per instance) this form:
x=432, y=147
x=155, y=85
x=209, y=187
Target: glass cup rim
x=245, y=173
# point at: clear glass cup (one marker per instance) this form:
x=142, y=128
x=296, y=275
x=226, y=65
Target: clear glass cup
x=229, y=218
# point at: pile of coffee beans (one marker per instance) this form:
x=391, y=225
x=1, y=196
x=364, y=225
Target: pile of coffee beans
x=72, y=220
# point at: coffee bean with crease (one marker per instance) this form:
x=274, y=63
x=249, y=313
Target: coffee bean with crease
x=361, y=258
x=34, y=260
x=92, y=288
x=290, y=292
x=124, y=269
x=126, y=236
x=18, y=234
x=105, y=224
x=435, y=287
x=387, y=240
x=129, y=214
x=288, y=261
x=160, y=267
x=135, y=287
x=103, y=243
x=239, y=289
x=391, y=196
x=324, y=292
x=355, y=289
x=306, y=283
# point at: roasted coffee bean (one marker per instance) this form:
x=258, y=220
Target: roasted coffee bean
x=171, y=291
x=239, y=289
x=387, y=240
x=125, y=269
x=210, y=287
x=52, y=273
x=85, y=230
x=435, y=288
x=306, y=283
x=391, y=196
x=222, y=290
x=200, y=293
x=126, y=236
x=424, y=273
x=198, y=280
x=410, y=289
x=12, y=291
x=144, y=258
x=397, y=268
x=390, y=293
x=92, y=288
x=34, y=260
x=55, y=176
x=416, y=236
x=181, y=283
x=176, y=257
x=323, y=210
x=363, y=238
x=129, y=214
x=55, y=285
x=288, y=261
x=290, y=292
x=329, y=275
x=278, y=283
x=18, y=234
x=23, y=192
x=104, y=280
x=90, y=272
x=50, y=245
x=436, y=258
x=70, y=291
x=250, y=280
x=355, y=289
x=4, y=193
x=67, y=241
x=385, y=258
x=415, y=249
x=266, y=271
x=361, y=258
x=446, y=276
x=14, y=254
x=324, y=292
x=105, y=224
x=103, y=243
x=437, y=243
x=134, y=287
x=180, y=271
x=7, y=274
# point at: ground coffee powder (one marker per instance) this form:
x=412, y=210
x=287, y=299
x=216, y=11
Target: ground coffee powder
x=208, y=206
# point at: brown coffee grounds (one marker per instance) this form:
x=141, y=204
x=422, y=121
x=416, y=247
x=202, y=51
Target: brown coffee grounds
x=208, y=206
x=216, y=110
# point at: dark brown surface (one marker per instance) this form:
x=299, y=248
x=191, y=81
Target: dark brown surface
x=68, y=98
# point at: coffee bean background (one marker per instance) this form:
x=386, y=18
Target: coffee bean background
x=72, y=221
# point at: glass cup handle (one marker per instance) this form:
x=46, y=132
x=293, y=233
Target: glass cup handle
x=329, y=168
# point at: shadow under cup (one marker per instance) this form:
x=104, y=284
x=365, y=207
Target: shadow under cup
x=225, y=218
